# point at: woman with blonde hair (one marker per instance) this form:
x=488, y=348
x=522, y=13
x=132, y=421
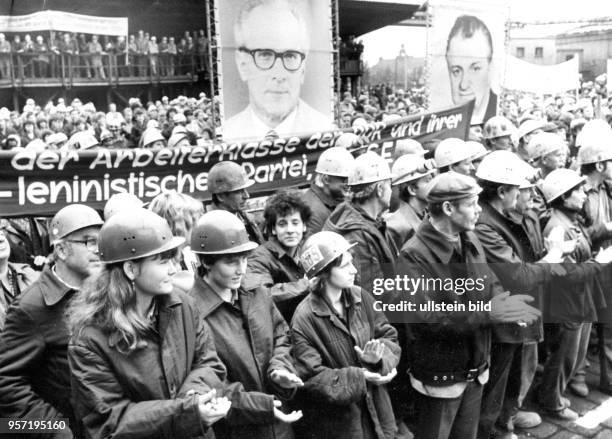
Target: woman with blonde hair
x=142, y=360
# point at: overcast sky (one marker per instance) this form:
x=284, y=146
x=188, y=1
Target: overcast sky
x=386, y=42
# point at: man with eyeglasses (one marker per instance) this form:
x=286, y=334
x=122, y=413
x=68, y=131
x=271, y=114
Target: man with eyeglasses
x=272, y=42
x=34, y=372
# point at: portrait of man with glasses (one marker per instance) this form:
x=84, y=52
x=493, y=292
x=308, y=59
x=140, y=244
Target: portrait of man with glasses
x=272, y=51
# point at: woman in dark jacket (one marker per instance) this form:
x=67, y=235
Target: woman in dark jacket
x=345, y=351
x=143, y=362
x=251, y=336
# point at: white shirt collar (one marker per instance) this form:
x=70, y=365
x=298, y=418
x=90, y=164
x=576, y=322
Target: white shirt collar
x=260, y=129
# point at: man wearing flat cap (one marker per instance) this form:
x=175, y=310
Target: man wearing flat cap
x=449, y=351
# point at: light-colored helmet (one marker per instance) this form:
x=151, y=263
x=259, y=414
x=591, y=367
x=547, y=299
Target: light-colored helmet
x=498, y=126
x=347, y=141
x=72, y=218
x=592, y=132
x=501, y=167
x=543, y=144
x=82, y=140
x=478, y=149
x=529, y=126
x=119, y=202
x=594, y=152
x=320, y=250
x=220, y=232
x=407, y=146
x=411, y=167
x=336, y=161
x=451, y=151
x=559, y=182
x=369, y=168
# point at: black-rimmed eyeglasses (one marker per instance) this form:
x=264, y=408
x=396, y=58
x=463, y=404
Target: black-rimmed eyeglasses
x=264, y=59
x=90, y=243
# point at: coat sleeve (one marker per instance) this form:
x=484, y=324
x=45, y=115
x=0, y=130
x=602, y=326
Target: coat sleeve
x=516, y=275
x=105, y=410
x=260, y=275
x=384, y=332
x=342, y=386
x=281, y=358
x=22, y=347
x=207, y=370
x=364, y=259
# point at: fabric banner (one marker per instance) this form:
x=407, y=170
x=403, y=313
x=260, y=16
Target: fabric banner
x=538, y=79
x=64, y=21
x=42, y=183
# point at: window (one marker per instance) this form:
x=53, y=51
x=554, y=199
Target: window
x=539, y=52
x=520, y=52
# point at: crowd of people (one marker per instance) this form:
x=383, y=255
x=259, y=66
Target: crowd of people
x=64, y=54
x=184, y=320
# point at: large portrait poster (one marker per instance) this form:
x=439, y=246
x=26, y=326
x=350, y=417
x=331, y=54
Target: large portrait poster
x=466, y=55
x=276, y=67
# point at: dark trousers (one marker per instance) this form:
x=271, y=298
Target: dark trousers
x=494, y=393
x=445, y=418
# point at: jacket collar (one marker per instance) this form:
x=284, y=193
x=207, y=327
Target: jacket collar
x=208, y=300
x=322, y=308
x=53, y=289
x=277, y=249
x=439, y=245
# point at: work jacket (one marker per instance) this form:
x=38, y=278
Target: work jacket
x=337, y=401
x=143, y=393
x=321, y=206
x=281, y=276
x=403, y=223
x=22, y=276
x=252, y=340
x=375, y=254
x=34, y=372
x=447, y=342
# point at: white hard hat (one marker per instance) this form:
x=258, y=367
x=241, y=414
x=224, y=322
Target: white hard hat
x=335, y=161
x=559, y=182
x=593, y=152
x=408, y=146
x=593, y=132
x=411, y=167
x=347, y=140
x=501, y=167
x=82, y=140
x=450, y=151
x=121, y=201
x=498, y=126
x=530, y=126
x=478, y=149
x=543, y=144
x=36, y=145
x=369, y=168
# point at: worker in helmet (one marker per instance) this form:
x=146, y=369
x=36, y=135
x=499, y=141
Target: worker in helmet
x=572, y=302
x=526, y=131
x=454, y=155
x=228, y=183
x=153, y=138
x=508, y=248
x=329, y=186
x=479, y=152
x=448, y=353
x=36, y=333
x=345, y=350
x=411, y=174
x=407, y=146
x=251, y=336
x=595, y=160
x=498, y=133
x=143, y=362
x=360, y=220
x=274, y=265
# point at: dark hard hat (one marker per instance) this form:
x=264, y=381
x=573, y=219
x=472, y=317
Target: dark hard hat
x=227, y=177
x=133, y=234
x=220, y=232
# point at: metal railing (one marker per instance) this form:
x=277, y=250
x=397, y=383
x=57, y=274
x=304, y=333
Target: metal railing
x=67, y=68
